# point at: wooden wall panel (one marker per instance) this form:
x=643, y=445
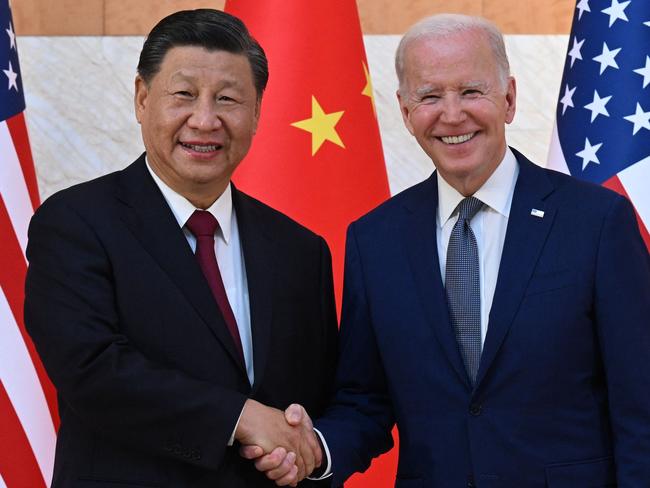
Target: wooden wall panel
x=136, y=17
x=129, y=17
x=58, y=17
x=395, y=17
x=531, y=17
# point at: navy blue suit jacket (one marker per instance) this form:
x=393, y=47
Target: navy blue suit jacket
x=149, y=381
x=563, y=390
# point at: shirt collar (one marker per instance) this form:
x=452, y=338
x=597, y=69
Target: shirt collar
x=496, y=192
x=183, y=209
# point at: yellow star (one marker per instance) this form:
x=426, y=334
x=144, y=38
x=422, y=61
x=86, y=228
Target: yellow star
x=321, y=125
x=367, y=90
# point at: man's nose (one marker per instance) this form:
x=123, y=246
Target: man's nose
x=205, y=116
x=452, y=110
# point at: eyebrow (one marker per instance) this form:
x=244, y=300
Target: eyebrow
x=180, y=76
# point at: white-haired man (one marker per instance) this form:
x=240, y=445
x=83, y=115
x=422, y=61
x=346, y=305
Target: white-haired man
x=497, y=312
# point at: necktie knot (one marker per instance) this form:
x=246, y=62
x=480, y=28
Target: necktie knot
x=468, y=207
x=202, y=224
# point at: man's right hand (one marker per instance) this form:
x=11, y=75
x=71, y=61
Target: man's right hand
x=284, y=444
x=280, y=464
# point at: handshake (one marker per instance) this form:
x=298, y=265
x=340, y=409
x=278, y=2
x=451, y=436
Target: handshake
x=282, y=444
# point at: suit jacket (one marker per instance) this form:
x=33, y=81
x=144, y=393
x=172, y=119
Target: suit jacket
x=563, y=390
x=149, y=382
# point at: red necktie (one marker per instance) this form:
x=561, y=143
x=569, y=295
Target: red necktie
x=203, y=225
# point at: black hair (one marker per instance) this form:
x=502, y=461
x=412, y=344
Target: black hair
x=211, y=29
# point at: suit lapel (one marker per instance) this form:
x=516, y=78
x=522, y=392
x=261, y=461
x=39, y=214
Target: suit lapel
x=525, y=238
x=148, y=216
x=258, y=248
x=419, y=237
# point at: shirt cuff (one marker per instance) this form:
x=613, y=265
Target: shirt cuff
x=328, y=459
x=231, y=441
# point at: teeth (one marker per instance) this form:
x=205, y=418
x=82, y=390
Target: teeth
x=457, y=139
x=203, y=149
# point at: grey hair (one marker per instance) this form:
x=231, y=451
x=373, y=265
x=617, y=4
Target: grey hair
x=442, y=25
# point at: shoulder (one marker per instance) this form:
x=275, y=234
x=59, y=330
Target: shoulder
x=421, y=196
x=253, y=212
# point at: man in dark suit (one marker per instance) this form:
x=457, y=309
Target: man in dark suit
x=498, y=312
x=165, y=360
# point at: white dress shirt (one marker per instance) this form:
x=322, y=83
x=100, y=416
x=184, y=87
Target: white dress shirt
x=229, y=253
x=489, y=226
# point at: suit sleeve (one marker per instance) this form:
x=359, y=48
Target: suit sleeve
x=103, y=380
x=622, y=301
x=357, y=426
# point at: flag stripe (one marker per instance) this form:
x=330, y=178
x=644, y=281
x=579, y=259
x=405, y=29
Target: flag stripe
x=18, y=130
x=635, y=180
x=20, y=362
x=616, y=185
x=18, y=466
x=13, y=188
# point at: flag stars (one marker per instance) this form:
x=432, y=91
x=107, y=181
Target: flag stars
x=616, y=11
x=12, y=37
x=645, y=72
x=588, y=154
x=640, y=119
x=567, y=99
x=606, y=58
x=13, y=77
x=321, y=125
x=575, y=50
x=597, y=106
x=367, y=90
x=583, y=6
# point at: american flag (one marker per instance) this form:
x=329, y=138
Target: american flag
x=602, y=129
x=27, y=403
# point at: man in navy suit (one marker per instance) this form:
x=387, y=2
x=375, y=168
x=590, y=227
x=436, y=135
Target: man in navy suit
x=164, y=361
x=510, y=344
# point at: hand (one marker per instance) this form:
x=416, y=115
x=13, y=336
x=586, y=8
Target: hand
x=279, y=464
x=288, y=440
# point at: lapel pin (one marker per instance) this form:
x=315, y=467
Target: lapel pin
x=537, y=213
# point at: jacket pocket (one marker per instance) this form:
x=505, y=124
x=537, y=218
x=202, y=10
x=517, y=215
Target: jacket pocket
x=100, y=483
x=592, y=473
x=409, y=483
x=546, y=282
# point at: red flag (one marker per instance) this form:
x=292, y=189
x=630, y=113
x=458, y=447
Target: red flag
x=27, y=398
x=317, y=154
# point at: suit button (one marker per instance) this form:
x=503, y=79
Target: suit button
x=475, y=409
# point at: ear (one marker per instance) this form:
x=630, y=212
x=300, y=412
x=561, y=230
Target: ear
x=511, y=99
x=258, y=109
x=406, y=112
x=140, y=98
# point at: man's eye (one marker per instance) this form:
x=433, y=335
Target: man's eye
x=225, y=98
x=183, y=93
x=472, y=92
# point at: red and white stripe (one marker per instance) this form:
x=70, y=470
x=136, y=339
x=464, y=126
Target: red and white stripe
x=27, y=405
x=632, y=183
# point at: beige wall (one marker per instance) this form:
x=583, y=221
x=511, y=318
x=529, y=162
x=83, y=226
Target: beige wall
x=136, y=17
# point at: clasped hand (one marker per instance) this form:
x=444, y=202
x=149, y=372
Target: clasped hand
x=283, y=445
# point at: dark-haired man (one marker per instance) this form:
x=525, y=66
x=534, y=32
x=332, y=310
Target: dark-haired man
x=171, y=310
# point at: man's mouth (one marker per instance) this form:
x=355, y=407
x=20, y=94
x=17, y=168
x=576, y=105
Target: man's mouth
x=203, y=148
x=457, y=139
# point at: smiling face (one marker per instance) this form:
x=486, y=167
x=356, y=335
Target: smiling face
x=456, y=106
x=198, y=116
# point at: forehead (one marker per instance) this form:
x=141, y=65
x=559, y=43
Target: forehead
x=462, y=56
x=199, y=62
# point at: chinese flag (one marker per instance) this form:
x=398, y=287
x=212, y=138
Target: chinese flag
x=317, y=154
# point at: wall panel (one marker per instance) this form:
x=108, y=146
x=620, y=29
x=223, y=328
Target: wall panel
x=128, y=17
